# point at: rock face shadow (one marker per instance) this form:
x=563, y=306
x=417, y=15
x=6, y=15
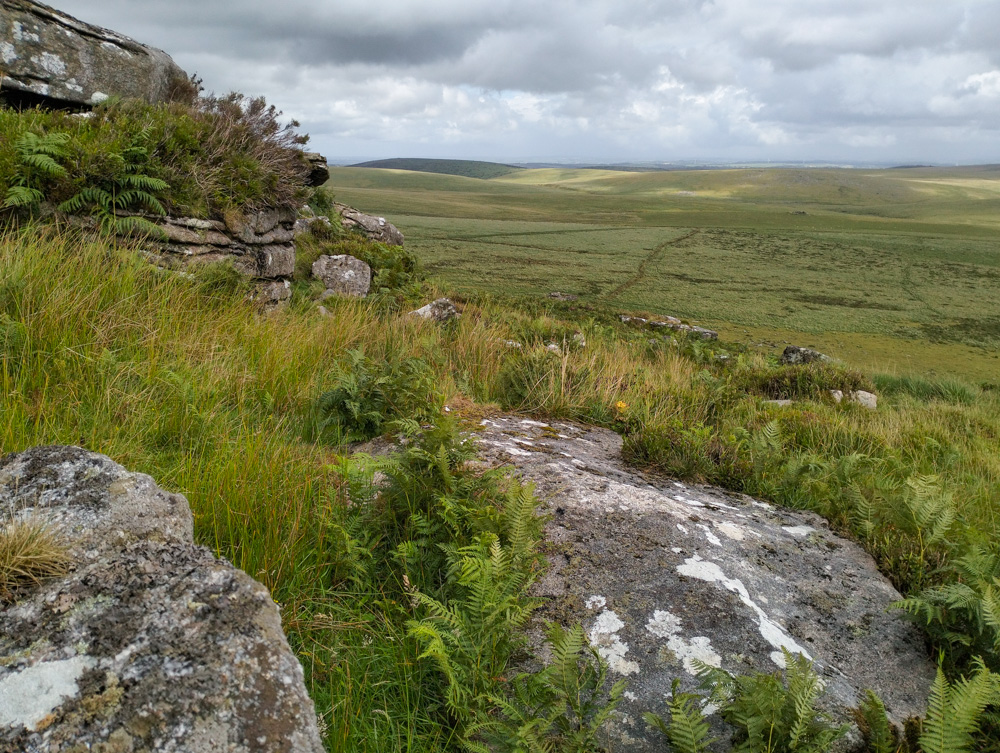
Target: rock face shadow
x=663, y=574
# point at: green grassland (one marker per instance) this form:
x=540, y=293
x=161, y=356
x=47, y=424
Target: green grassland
x=895, y=270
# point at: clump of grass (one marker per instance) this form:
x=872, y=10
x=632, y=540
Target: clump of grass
x=922, y=388
x=30, y=552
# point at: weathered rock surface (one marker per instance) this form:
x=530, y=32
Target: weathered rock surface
x=48, y=55
x=662, y=573
x=442, y=310
x=375, y=228
x=150, y=643
x=343, y=275
x=319, y=172
x=260, y=245
x=793, y=354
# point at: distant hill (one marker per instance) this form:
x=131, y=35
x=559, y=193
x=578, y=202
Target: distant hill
x=462, y=167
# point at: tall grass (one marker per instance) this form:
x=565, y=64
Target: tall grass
x=182, y=378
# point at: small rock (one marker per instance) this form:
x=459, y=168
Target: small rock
x=837, y=395
x=513, y=344
x=579, y=340
x=375, y=228
x=323, y=311
x=563, y=296
x=866, y=399
x=343, y=274
x=794, y=355
x=553, y=348
x=441, y=310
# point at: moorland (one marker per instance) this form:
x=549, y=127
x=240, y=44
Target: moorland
x=896, y=270
x=405, y=579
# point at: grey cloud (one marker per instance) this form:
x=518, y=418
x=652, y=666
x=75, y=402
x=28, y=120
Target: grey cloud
x=640, y=79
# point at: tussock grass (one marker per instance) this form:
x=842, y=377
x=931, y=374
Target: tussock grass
x=30, y=552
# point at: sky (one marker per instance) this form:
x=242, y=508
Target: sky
x=597, y=81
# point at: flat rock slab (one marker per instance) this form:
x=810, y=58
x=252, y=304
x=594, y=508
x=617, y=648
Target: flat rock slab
x=150, y=643
x=662, y=573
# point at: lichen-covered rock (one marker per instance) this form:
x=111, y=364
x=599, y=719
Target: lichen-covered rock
x=54, y=57
x=442, y=310
x=150, y=643
x=662, y=574
x=793, y=354
x=375, y=228
x=343, y=275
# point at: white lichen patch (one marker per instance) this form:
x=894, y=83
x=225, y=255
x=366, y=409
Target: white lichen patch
x=712, y=538
x=771, y=631
x=799, y=532
x=731, y=531
x=664, y=624
x=21, y=34
x=29, y=696
x=596, y=602
x=603, y=636
x=51, y=64
x=7, y=53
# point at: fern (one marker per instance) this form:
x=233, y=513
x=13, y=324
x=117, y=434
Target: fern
x=955, y=711
x=687, y=729
x=125, y=190
x=873, y=721
x=771, y=713
x=559, y=709
x=963, y=617
x=38, y=156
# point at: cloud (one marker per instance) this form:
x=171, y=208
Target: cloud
x=600, y=79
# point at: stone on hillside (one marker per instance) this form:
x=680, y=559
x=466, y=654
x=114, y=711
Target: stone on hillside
x=150, y=642
x=863, y=398
x=442, y=310
x=319, y=172
x=794, y=355
x=562, y=296
x=52, y=58
x=375, y=228
x=662, y=574
x=343, y=275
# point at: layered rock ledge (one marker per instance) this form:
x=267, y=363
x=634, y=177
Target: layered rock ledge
x=662, y=573
x=150, y=642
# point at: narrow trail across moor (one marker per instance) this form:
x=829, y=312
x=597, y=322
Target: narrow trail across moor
x=654, y=255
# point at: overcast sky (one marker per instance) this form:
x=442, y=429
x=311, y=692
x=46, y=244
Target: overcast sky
x=600, y=80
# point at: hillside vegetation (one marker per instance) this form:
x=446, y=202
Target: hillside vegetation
x=404, y=578
x=461, y=167
x=891, y=270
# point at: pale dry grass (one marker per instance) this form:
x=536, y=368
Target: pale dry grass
x=30, y=552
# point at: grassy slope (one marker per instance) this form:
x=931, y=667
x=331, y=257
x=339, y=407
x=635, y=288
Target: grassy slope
x=893, y=269
x=460, y=167
x=181, y=379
